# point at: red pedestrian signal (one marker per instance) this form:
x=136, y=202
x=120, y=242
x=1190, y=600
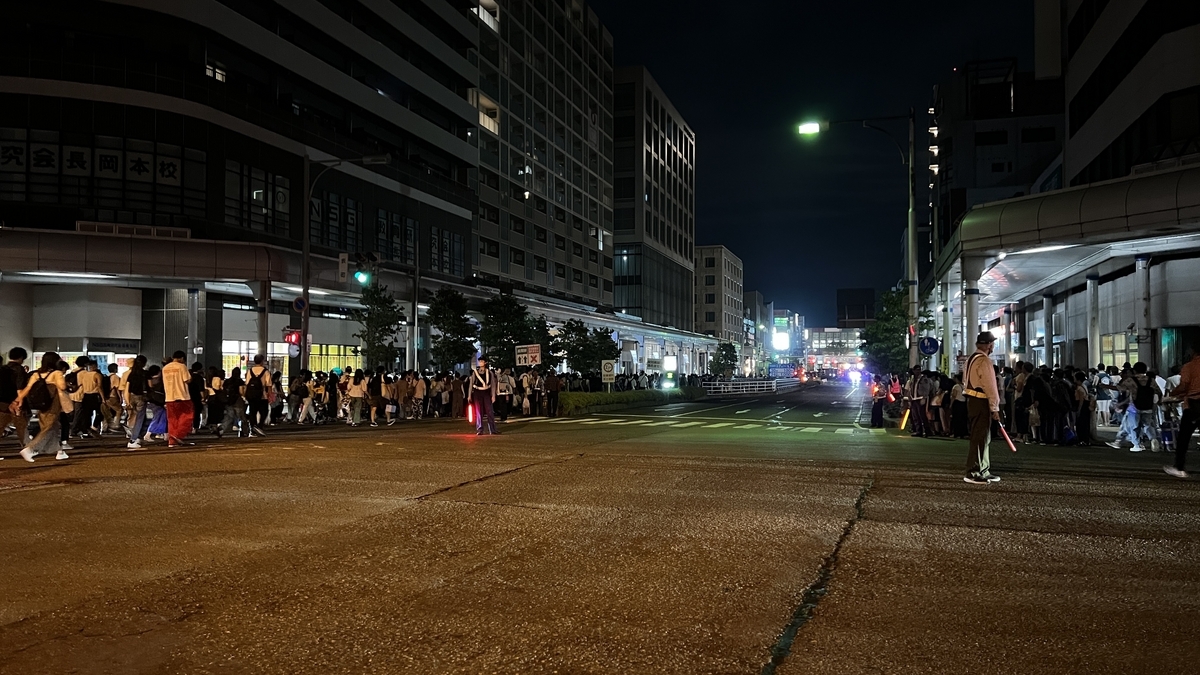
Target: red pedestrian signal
x=292, y=337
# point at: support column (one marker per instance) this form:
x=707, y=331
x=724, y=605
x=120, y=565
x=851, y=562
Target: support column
x=1004, y=342
x=1144, y=349
x=972, y=269
x=947, y=330
x=262, y=293
x=1068, y=348
x=193, y=324
x=1048, y=322
x=1030, y=335
x=1093, y=322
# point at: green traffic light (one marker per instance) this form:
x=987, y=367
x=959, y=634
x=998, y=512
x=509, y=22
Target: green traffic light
x=362, y=277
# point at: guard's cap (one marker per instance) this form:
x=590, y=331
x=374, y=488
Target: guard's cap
x=985, y=338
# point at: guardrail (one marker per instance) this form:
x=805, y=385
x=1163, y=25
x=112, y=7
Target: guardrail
x=735, y=387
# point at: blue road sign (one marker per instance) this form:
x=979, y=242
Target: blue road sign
x=928, y=346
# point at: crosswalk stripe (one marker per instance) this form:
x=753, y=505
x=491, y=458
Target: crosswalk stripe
x=622, y=424
x=601, y=422
x=688, y=424
x=845, y=431
x=573, y=421
x=662, y=424
x=879, y=431
x=810, y=430
x=748, y=426
x=717, y=426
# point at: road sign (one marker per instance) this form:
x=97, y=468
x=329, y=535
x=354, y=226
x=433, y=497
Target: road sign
x=343, y=267
x=299, y=304
x=293, y=351
x=529, y=355
x=654, y=364
x=608, y=371
x=928, y=346
x=780, y=371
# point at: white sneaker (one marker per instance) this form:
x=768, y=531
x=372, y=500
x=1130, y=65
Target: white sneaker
x=1114, y=444
x=1136, y=448
x=27, y=454
x=65, y=446
x=61, y=455
x=1178, y=473
x=133, y=445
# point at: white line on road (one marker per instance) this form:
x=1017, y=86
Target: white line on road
x=662, y=424
x=779, y=413
x=844, y=431
x=748, y=426
x=715, y=408
x=573, y=421
x=601, y=422
x=849, y=393
x=717, y=426
x=622, y=424
x=688, y=424
x=810, y=430
x=742, y=411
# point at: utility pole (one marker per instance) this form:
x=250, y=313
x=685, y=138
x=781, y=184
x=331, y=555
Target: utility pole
x=914, y=309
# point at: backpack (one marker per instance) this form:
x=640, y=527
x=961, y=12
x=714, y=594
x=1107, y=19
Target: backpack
x=1143, y=400
x=254, y=386
x=40, y=397
x=231, y=390
x=72, y=380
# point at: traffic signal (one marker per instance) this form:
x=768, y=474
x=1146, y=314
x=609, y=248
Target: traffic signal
x=362, y=276
x=292, y=337
x=365, y=267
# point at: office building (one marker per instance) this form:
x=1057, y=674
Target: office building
x=1103, y=269
x=995, y=132
x=757, y=322
x=719, y=294
x=654, y=222
x=164, y=148
x=545, y=150
x=833, y=350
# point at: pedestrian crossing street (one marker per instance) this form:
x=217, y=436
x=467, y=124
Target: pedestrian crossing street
x=683, y=423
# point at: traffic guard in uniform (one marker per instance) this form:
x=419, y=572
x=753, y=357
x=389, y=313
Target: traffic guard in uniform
x=483, y=395
x=983, y=406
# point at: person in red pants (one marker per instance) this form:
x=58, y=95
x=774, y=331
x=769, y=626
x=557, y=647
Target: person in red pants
x=179, y=400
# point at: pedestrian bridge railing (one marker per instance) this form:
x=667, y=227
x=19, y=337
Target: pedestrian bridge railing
x=736, y=387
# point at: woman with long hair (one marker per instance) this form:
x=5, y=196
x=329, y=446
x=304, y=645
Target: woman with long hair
x=358, y=394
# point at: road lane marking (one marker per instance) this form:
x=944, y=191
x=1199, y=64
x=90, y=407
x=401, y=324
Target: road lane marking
x=742, y=411
x=810, y=430
x=777, y=428
x=622, y=424
x=844, y=431
x=717, y=426
x=574, y=421
x=600, y=422
x=879, y=431
x=748, y=426
x=662, y=424
x=688, y=424
x=779, y=413
x=716, y=408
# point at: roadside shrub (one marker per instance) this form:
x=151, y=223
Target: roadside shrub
x=575, y=402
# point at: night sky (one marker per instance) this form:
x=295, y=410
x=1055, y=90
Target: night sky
x=813, y=215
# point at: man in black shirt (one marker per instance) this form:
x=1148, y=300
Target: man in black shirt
x=12, y=380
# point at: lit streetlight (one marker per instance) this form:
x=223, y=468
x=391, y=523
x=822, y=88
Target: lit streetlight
x=815, y=127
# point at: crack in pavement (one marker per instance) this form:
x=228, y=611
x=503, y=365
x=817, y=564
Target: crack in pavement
x=815, y=591
x=498, y=474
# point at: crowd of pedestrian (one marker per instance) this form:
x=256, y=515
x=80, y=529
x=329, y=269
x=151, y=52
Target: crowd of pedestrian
x=44, y=408
x=1062, y=405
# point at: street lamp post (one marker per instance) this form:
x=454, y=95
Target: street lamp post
x=306, y=237
x=910, y=272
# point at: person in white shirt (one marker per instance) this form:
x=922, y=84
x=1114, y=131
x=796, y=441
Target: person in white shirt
x=88, y=395
x=175, y=376
x=983, y=406
x=483, y=396
x=49, y=410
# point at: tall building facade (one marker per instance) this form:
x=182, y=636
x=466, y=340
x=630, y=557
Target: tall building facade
x=994, y=134
x=757, y=318
x=654, y=223
x=1101, y=269
x=718, y=294
x=164, y=148
x=545, y=152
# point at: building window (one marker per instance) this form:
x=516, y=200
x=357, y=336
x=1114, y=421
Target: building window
x=260, y=201
x=709, y=317
x=710, y=280
x=593, y=281
x=517, y=225
x=560, y=271
x=710, y=262
x=516, y=256
x=594, y=256
x=539, y=233
x=489, y=248
x=577, y=276
x=539, y=263
x=577, y=249
x=710, y=298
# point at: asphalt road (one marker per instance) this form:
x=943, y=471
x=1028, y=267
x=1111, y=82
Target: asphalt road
x=726, y=536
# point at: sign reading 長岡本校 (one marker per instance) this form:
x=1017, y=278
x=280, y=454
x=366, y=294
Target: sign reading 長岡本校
x=529, y=355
